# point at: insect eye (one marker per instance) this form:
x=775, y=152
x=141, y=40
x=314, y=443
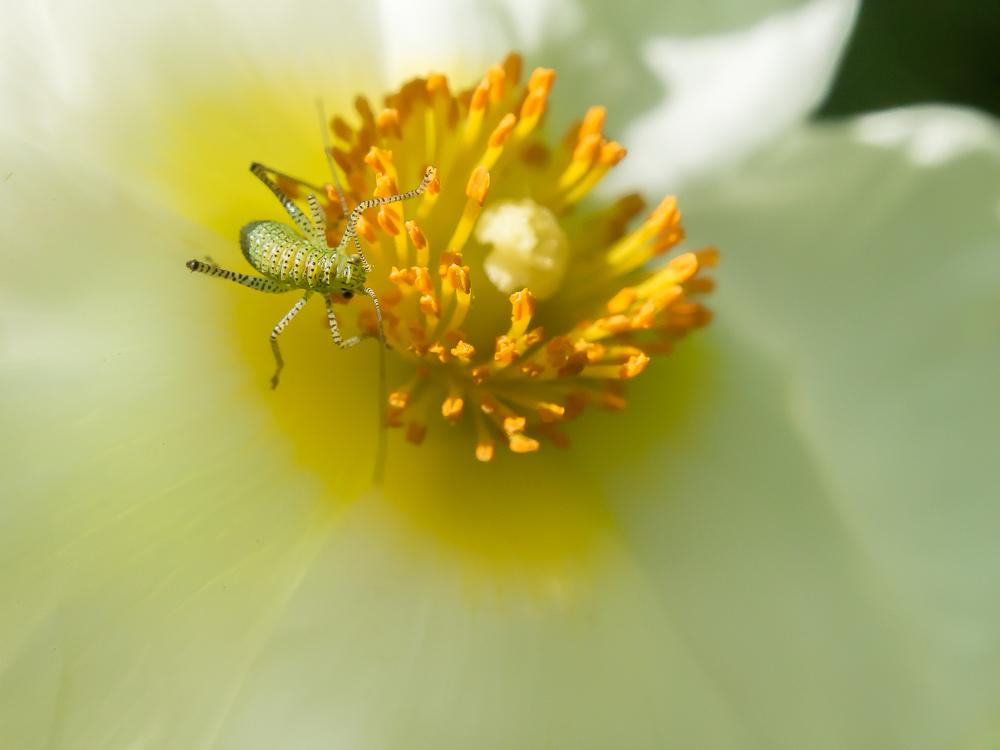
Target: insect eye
x=347, y=295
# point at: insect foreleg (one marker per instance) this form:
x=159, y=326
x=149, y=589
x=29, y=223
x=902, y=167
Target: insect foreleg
x=254, y=282
x=335, y=329
x=277, y=331
x=352, y=222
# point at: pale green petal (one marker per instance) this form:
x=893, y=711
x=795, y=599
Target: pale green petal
x=826, y=527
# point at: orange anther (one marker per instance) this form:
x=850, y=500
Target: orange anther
x=449, y=258
x=551, y=412
x=592, y=352
x=399, y=399
x=379, y=160
x=366, y=230
x=439, y=349
x=458, y=278
x=489, y=404
x=559, y=439
x=415, y=433
x=367, y=321
x=614, y=324
x=667, y=238
x=402, y=276
x=417, y=333
x=531, y=368
x=506, y=350
x=331, y=195
x=699, y=285
x=480, y=374
x=495, y=75
x=416, y=236
x=522, y=304
x=645, y=317
x=341, y=129
x=664, y=214
x=390, y=297
x=388, y=123
x=513, y=424
x=534, y=336
x=593, y=121
x=621, y=301
x=451, y=409
x=437, y=82
x=512, y=64
x=575, y=404
x=570, y=369
x=683, y=266
x=422, y=280
x=480, y=94
x=522, y=444
x=708, y=257
x=464, y=351
x=434, y=186
x=533, y=104
x=385, y=186
x=558, y=350
x=478, y=184
x=587, y=148
x=633, y=367
x=484, y=451
x=393, y=417
x=501, y=132
x=612, y=152
x=387, y=221
x=541, y=80
x=429, y=305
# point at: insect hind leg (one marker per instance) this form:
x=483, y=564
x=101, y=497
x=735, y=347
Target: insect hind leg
x=259, y=283
x=279, y=362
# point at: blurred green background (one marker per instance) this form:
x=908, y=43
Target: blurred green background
x=918, y=51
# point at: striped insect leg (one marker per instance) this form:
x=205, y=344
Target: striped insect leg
x=254, y=282
x=277, y=331
x=335, y=329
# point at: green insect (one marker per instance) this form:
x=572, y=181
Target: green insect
x=299, y=258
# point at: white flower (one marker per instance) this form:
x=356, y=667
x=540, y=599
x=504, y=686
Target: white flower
x=789, y=539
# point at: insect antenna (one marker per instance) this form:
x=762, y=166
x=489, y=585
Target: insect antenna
x=328, y=152
x=381, y=449
x=324, y=130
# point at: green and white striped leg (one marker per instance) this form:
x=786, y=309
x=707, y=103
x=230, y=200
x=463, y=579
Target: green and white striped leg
x=277, y=331
x=335, y=329
x=254, y=282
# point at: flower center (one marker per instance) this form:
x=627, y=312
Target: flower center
x=512, y=307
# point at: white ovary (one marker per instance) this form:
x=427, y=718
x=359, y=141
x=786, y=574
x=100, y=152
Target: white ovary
x=529, y=248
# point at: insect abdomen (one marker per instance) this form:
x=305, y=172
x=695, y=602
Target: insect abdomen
x=281, y=254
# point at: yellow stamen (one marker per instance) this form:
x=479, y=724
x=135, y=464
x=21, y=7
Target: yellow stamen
x=476, y=190
x=526, y=383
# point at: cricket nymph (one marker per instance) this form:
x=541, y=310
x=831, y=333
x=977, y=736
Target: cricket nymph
x=298, y=257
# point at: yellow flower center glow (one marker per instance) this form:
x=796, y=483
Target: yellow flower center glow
x=512, y=308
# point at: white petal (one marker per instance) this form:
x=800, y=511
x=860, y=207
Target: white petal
x=930, y=135
x=731, y=93
x=825, y=526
